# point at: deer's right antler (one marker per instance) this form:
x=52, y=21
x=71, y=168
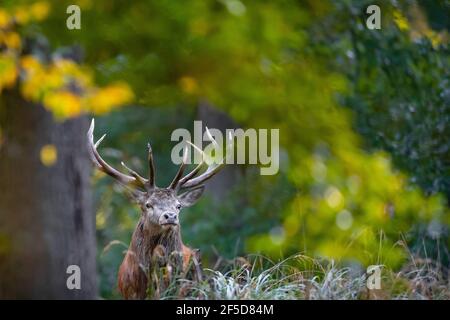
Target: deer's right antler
x=135, y=180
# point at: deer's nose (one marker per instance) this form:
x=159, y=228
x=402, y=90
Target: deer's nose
x=170, y=217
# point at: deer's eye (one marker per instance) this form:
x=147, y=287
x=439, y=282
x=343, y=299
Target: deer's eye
x=148, y=205
x=178, y=206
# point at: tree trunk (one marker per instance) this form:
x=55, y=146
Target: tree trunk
x=46, y=217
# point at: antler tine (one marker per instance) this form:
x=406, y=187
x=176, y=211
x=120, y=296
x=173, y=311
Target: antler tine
x=102, y=164
x=174, y=184
x=211, y=171
x=208, y=174
x=197, y=169
x=141, y=180
x=151, y=166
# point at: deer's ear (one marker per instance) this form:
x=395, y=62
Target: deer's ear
x=190, y=197
x=134, y=195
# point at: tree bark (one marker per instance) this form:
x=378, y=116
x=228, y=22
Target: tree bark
x=46, y=217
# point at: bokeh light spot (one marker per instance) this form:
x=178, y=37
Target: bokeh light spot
x=49, y=155
x=344, y=220
x=277, y=235
x=334, y=197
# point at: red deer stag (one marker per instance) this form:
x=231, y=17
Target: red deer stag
x=158, y=230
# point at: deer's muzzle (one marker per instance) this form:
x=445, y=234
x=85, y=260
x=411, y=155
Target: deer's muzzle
x=168, y=218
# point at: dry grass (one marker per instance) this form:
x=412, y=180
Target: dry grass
x=301, y=277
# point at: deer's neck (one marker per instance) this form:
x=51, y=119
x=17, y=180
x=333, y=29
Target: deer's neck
x=145, y=239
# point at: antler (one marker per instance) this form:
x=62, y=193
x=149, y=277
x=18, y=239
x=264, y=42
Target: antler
x=190, y=181
x=135, y=180
x=175, y=182
x=138, y=182
x=151, y=166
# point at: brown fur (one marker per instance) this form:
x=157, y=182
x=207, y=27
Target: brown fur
x=140, y=258
x=156, y=239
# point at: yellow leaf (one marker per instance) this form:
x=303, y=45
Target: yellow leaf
x=8, y=71
x=63, y=104
x=4, y=19
x=12, y=40
x=48, y=155
x=30, y=63
x=40, y=10
x=105, y=99
x=22, y=15
x=188, y=85
x=401, y=20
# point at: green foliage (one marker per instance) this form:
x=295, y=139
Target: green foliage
x=400, y=89
x=310, y=69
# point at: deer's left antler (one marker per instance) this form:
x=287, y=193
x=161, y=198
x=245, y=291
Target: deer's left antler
x=190, y=180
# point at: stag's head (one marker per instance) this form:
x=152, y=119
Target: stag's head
x=160, y=206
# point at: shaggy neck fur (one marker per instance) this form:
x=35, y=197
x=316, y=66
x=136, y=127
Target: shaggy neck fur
x=147, y=237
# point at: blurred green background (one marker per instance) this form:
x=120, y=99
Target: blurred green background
x=363, y=116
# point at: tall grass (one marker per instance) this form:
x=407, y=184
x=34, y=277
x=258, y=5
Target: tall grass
x=301, y=277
